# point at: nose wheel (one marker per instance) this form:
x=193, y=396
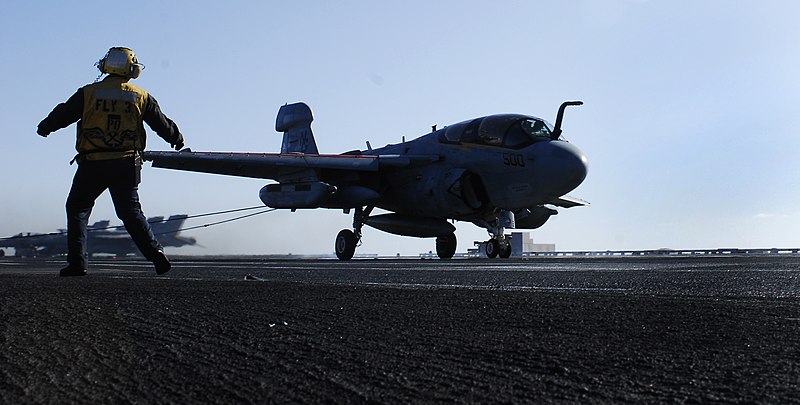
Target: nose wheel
x=495, y=247
x=492, y=248
x=505, y=252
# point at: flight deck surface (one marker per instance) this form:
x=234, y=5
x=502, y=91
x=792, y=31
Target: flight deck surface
x=398, y=331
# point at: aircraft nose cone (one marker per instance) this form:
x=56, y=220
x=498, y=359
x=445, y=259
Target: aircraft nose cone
x=560, y=167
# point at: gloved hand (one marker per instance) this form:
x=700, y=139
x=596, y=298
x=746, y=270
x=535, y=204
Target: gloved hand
x=178, y=145
x=41, y=131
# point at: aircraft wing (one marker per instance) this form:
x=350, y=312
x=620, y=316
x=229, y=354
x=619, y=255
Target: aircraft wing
x=275, y=166
x=568, y=202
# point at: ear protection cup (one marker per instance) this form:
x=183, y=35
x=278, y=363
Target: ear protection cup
x=136, y=70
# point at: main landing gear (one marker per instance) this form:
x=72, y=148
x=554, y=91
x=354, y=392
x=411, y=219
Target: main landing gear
x=446, y=246
x=347, y=240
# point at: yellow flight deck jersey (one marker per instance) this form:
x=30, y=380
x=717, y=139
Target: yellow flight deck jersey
x=112, y=123
x=110, y=116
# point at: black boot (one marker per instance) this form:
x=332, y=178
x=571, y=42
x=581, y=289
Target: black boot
x=72, y=271
x=161, y=262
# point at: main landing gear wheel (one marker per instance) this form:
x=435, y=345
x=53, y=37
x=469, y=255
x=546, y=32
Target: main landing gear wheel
x=446, y=246
x=346, y=240
x=492, y=248
x=345, y=245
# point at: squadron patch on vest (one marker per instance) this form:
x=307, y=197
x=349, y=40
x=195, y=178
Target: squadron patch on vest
x=112, y=118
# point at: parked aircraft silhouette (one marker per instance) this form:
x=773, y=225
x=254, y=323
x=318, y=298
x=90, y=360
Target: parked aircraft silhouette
x=498, y=172
x=101, y=239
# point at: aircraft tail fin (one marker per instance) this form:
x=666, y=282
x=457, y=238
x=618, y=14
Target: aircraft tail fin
x=294, y=120
x=170, y=226
x=167, y=231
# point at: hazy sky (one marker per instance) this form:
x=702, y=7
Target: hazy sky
x=690, y=117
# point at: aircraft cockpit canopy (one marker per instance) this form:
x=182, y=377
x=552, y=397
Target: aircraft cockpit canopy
x=506, y=130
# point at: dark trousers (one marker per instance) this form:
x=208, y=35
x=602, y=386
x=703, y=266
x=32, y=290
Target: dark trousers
x=121, y=177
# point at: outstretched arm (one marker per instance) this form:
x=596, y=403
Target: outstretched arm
x=160, y=123
x=63, y=115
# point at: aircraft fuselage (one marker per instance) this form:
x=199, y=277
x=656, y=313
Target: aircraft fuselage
x=472, y=180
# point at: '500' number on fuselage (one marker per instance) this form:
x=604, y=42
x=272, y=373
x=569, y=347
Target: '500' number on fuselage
x=513, y=159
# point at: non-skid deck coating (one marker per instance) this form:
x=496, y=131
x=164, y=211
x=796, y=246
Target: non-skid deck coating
x=398, y=331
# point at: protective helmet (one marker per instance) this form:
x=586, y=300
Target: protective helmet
x=120, y=61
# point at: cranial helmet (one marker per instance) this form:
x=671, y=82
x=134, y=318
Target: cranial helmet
x=120, y=61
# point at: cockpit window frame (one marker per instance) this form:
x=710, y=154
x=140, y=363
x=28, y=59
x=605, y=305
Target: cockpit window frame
x=483, y=131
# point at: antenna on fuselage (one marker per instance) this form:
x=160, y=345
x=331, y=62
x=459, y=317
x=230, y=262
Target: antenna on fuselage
x=560, y=117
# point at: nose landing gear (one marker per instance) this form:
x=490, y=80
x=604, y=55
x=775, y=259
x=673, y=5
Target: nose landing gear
x=499, y=244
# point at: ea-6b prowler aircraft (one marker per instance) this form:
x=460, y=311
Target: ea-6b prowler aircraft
x=498, y=172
